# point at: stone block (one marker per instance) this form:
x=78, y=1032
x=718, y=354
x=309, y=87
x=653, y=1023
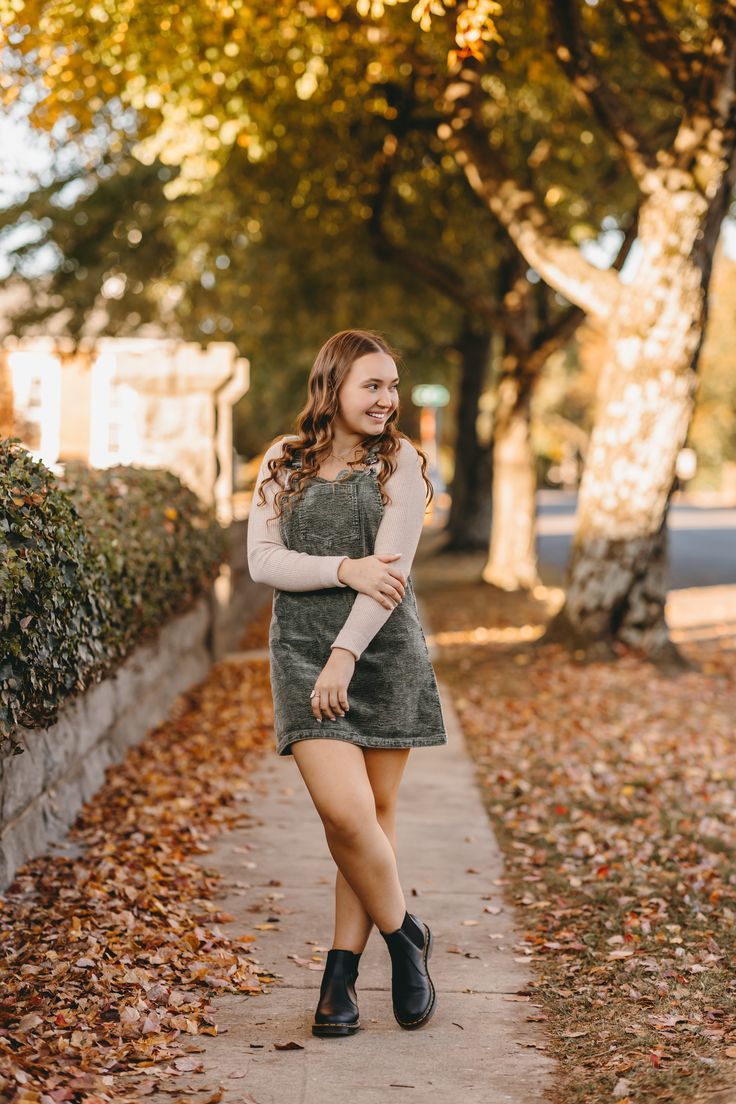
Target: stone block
x=60, y=742
x=21, y=839
x=22, y=776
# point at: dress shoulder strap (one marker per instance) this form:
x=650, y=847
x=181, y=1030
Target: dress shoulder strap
x=371, y=460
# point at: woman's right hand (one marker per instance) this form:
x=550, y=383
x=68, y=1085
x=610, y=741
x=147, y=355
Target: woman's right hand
x=372, y=575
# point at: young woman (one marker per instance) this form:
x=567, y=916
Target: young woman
x=337, y=514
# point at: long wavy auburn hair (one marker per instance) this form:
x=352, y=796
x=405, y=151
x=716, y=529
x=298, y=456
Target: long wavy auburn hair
x=313, y=424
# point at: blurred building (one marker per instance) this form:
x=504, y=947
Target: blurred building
x=155, y=402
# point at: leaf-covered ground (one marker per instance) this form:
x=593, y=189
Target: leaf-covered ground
x=110, y=950
x=611, y=788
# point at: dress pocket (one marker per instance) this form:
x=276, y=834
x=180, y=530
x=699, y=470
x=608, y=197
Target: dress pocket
x=328, y=520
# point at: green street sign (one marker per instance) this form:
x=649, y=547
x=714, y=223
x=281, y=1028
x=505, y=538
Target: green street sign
x=430, y=394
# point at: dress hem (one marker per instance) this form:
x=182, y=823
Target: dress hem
x=284, y=746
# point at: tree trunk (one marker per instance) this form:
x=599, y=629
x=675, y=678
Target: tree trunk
x=655, y=323
x=470, y=513
x=512, y=561
x=616, y=578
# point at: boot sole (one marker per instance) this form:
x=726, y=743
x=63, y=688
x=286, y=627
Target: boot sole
x=328, y=1030
x=430, y=1010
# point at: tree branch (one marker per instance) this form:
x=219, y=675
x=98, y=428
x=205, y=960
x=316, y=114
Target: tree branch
x=553, y=337
x=573, y=52
x=438, y=274
x=658, y=38
x=704, y=145
x=717, y=85
x=558, y=262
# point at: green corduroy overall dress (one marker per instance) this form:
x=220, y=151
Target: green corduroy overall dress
x=393, y=695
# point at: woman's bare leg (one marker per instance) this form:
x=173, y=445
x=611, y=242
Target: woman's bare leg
x=336, y=775
x=385, y=768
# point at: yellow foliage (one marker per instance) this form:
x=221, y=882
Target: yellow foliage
x=178, y=66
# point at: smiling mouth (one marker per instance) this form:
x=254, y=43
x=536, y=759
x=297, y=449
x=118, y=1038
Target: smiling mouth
x=376, y=416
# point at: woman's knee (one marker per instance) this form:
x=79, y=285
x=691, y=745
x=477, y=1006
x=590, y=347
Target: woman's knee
x=346, y=820
x=385, y=806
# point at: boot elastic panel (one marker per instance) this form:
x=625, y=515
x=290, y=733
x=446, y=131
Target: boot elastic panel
x=414, y=930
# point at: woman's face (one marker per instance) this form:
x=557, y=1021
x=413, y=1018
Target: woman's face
x=368, y=395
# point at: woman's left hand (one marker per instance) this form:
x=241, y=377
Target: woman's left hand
x=331, y=687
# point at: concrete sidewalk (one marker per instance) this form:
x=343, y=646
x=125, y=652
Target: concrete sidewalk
x=479, y=1046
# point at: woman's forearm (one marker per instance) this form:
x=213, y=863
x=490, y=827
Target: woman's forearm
x=399, y=531
x=287, y=569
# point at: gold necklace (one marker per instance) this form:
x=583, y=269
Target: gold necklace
x=339, y=457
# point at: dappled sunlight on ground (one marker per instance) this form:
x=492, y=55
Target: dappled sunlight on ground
x=551, y=599
x=484, y=634
x=701, y=613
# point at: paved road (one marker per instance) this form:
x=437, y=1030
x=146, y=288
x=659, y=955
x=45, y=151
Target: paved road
x=702, y=550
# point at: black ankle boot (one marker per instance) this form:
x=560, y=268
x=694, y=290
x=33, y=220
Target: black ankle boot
x=337, y=1011
x=411, y=986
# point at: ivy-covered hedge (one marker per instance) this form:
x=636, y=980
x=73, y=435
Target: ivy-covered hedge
x=90, y=564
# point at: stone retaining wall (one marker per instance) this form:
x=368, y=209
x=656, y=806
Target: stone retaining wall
x=42, y=789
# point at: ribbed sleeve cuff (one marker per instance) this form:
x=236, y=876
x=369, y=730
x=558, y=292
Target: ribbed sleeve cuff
x=328, y=570
x=345, y=640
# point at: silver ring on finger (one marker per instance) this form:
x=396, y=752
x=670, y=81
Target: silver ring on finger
x=313, y=693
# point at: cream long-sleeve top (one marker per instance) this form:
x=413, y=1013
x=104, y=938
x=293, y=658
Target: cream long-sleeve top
x=271, y=562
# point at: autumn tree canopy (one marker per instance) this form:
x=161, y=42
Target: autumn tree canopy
x=554, y=112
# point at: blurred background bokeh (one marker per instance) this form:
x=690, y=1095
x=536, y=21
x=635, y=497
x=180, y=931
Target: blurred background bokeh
x=196, y=196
